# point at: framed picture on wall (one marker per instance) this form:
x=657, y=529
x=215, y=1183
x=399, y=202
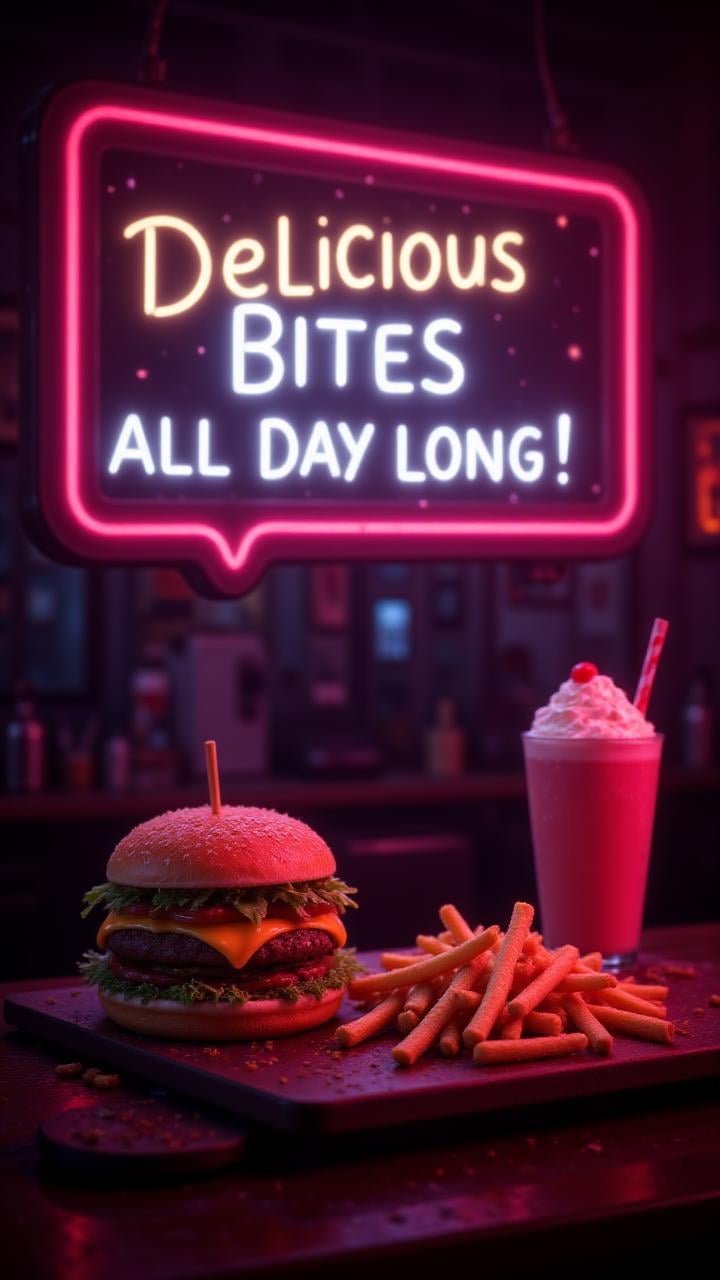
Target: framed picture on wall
x=701, y=441
x=538, y=584
x=330, y=596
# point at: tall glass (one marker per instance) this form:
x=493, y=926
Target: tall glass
x=592, y=809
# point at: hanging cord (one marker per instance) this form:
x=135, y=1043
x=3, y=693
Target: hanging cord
x=151, y=68
x=559, y=135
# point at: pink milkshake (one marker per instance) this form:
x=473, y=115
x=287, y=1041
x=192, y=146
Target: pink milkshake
x=592, y=762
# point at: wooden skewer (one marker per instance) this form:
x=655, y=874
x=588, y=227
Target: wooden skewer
x=213, y=776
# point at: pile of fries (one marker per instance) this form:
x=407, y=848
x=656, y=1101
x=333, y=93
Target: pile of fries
x=504, y=996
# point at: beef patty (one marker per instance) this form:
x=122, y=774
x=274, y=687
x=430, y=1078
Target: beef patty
x=256, y=982
x=181, y=951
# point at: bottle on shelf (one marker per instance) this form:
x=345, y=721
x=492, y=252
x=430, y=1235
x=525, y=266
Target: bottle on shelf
x=116, y=762
x=698, y=722
x=25, y=746
x=445, y=742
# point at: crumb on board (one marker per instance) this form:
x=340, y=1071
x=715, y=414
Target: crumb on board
x=714, y=1001
x=679, y=970
x=93, y=1077
x=90, y=1137
x=106, y=1080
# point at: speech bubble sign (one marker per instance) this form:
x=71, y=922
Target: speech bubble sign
x=263, y=337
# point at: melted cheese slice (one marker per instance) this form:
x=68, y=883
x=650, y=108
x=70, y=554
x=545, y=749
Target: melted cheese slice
x=236, y=942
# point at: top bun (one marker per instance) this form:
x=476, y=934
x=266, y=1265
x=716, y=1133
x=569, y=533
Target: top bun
x=238, y=848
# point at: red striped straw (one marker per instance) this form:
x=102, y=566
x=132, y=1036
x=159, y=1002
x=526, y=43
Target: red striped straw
x=650, y=665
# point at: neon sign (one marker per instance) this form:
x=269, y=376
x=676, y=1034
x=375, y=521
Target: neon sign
x=263, y=337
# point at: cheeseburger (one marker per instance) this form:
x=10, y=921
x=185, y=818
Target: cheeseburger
x=221, y=927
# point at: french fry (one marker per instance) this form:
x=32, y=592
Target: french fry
x=430, y=967
x=486, y=967
x=544, y=1024
x=593, y=960
x=561, y=964
x=485, y=971
x=456, y=925
x=496, y=992
x=633, y=1024
x=527, y=968
x=352, y=1033
x=645, y=992
x=599, y=1037
x=426, y=1032
x=397, y=960
x=446, y=936
x=451, y=1038
x=537, y=1023
x=419, y=998
x=467, y=1001
x=552, y=1003
x=406, y=1020
x=532, y=944
x=632, y=1004
x=428, y=942
x=524, y=973
x=581, y=967
x=417, y=1002
x=512, y=1028
x=490, y=1052
x=586, y=982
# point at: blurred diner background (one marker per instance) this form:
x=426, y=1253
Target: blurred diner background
x=382, y=702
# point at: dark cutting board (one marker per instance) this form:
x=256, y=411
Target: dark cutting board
x=306, y=1084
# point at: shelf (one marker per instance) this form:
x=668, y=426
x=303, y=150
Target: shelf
x=303, y=795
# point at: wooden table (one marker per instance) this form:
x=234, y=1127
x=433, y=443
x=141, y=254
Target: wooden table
x=617, y=1181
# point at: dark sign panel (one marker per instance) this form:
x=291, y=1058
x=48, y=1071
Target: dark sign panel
x=264, y=337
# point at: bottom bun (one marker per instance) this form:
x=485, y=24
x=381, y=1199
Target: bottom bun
x=254, y=1020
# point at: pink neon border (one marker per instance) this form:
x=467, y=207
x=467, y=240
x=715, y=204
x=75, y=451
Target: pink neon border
x=235, y=560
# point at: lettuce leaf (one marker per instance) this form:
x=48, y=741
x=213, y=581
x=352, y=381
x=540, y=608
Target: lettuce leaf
x=97, y=972
x=253, y=903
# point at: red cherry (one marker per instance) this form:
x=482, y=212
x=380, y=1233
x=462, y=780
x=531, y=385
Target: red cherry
x=583, y=672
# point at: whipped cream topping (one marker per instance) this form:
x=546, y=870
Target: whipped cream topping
x=596, y=709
